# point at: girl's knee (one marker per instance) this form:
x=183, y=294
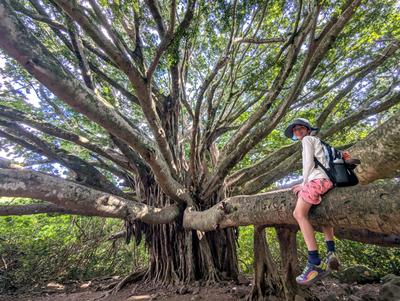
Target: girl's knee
x=299, y=215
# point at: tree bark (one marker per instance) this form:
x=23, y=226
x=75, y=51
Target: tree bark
x=379, y=152
x=288, y=250
x=374, y=207
x=76, y=197
x=267, y=284
x=290, y=267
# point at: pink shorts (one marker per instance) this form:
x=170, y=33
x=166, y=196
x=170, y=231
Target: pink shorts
x=311, y=191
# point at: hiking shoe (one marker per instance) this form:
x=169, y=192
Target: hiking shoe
x=312, y=273
x=332, y=261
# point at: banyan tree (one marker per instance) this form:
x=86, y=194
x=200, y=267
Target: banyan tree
x=169, y=114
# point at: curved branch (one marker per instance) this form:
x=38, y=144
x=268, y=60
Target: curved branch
x=51, y=130
x=39, y=17
x=388, y=52
x=86, y=173
x=363, y=113
x=365, y=236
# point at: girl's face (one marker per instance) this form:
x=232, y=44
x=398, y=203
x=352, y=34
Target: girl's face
x=300, y=131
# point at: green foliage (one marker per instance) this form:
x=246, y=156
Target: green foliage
x=245, y=249
x=41, y=248
x=382, y=260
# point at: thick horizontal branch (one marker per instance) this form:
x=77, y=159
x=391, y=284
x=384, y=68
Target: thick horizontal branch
x=76, y=197
x=364, y=236
x=375, y=208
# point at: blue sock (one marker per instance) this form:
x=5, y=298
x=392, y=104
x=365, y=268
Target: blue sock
x=313, y=257
x=330, y=245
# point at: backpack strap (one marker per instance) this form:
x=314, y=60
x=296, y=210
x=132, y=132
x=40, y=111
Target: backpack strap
x=328, y=172
x=331, y=154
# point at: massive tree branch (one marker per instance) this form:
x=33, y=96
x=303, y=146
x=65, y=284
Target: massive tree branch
x=76, y=197
x=379, y=152
x=374, y=207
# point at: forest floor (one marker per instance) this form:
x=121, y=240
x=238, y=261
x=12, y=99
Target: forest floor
x=329, y=289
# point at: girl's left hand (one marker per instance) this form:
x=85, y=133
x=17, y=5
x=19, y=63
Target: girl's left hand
x=296, y=188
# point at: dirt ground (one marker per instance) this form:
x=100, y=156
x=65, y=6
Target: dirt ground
x=225, y=291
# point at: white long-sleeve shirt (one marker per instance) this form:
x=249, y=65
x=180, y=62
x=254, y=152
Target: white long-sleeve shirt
x=312, y=147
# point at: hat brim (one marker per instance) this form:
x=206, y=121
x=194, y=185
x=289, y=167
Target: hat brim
x=289, y=129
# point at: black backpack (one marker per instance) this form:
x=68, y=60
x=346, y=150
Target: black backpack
x=340, y=173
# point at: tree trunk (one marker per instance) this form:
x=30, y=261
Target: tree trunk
x=180, y=256
x=267, y=284
x=290, y=268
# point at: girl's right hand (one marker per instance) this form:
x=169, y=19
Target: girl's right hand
x=346, y=155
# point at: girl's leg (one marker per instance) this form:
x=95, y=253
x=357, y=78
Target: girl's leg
x=328, y=232
x=330, y=244
x=331, y=258
x=313, y=271
x=300, y=213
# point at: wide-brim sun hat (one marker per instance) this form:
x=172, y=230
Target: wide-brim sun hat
x=298, y=121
